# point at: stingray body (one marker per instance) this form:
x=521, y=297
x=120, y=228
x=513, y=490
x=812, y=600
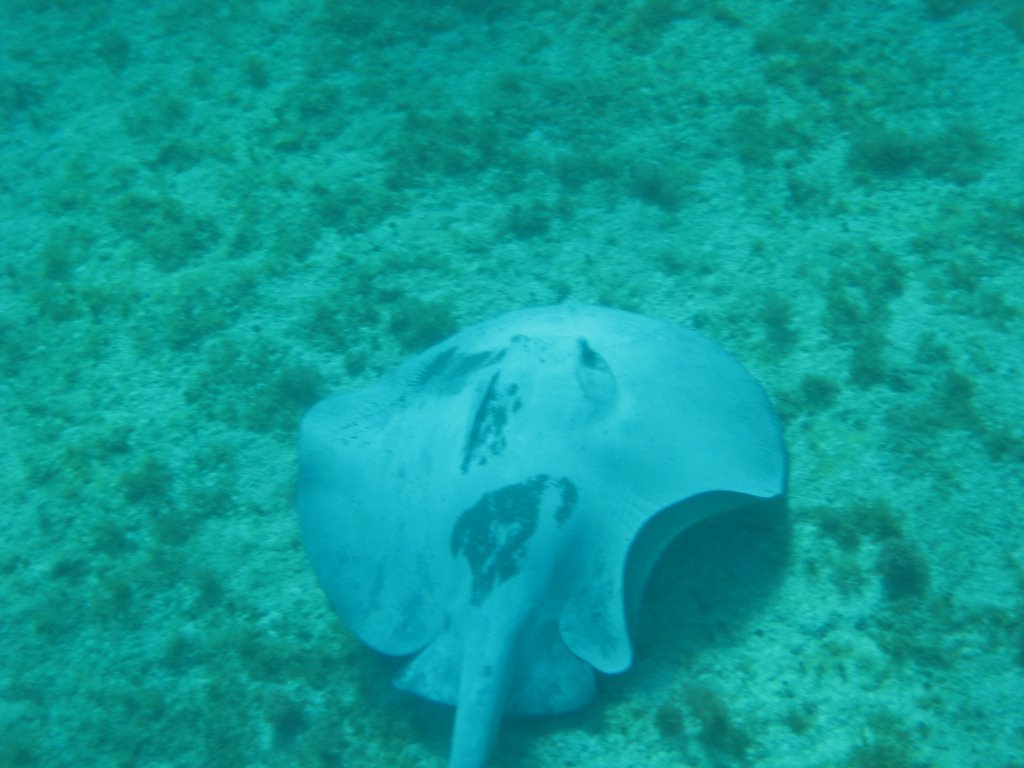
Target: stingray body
x=496, y=504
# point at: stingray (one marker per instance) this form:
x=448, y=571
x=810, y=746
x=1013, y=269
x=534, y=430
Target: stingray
x=496, y=504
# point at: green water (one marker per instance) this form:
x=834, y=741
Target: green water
x=212, y=214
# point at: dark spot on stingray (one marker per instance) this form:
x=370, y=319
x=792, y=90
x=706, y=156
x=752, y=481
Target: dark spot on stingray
x=569, y=497
x=449, y=370
x=487, y=433
x=492, y=534
x=436, y=365
x=515, y=403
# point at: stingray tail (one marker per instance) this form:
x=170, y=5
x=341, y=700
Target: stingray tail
x=484, y=681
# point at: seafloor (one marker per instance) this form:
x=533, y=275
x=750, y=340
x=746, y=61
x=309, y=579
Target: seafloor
x=213, y=213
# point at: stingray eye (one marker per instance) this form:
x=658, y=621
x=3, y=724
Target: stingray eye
x=589, y=358
x=596, y=380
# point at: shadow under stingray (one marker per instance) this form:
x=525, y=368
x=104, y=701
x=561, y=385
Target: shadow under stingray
x=711, y=581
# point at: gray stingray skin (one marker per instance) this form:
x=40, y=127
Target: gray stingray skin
x=496, y=504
